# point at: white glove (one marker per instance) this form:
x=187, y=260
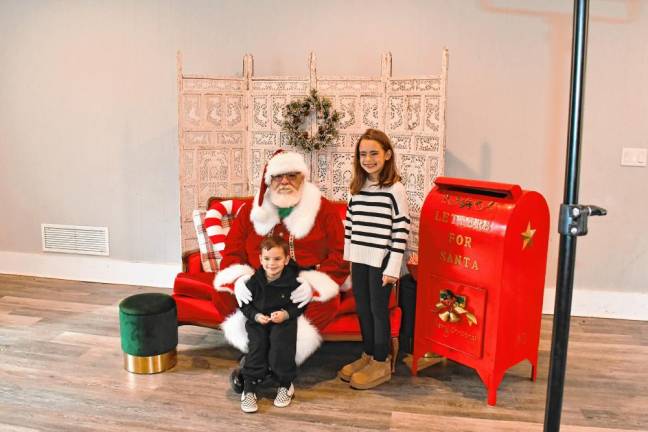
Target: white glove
x=241, y=291
x=302, y=294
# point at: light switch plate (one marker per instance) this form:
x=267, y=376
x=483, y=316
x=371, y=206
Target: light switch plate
x=634, y=157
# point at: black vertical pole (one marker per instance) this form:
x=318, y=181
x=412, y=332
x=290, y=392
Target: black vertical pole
x=567, y=254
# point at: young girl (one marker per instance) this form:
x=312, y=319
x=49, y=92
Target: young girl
x=376, y=231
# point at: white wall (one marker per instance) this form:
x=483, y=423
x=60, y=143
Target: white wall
x=88, y=113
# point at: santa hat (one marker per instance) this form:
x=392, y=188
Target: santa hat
x=281, y=162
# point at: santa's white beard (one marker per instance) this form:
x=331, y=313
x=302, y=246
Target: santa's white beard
x=284, y=200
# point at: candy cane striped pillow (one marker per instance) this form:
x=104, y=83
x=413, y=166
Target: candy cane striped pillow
x=218, y=220
x=208, y=257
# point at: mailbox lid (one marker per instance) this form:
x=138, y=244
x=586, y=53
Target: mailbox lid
x=504, y=191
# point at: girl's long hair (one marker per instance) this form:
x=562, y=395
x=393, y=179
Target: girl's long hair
x=388, y=176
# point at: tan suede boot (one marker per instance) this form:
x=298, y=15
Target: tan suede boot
x=374, y=374
x=353, y=367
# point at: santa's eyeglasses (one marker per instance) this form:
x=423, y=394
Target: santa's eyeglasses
x=291, y=177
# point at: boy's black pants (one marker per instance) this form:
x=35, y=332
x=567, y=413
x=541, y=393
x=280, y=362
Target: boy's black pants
x=372, y=305
x=271, y=345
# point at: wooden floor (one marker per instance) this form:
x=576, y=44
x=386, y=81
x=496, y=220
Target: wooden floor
x=61, y=370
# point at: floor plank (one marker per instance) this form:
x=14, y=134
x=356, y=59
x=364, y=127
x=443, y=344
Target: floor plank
x=432, y=423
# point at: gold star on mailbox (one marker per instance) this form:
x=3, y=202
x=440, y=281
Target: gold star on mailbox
x=527, y=236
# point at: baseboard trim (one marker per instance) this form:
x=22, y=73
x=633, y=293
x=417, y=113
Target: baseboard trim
x=88, y=268
x=585, y=302
x=602, y=304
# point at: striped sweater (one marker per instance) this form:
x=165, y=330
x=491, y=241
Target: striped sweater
x=377, y=224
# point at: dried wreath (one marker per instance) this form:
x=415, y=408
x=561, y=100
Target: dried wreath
x=327, y=120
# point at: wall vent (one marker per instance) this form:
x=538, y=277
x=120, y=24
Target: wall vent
x=75, y=239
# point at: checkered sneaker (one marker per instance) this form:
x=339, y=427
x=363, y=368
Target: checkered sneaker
x=249, y=402
x=284, y=396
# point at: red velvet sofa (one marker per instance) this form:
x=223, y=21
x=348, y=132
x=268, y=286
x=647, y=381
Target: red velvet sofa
x=195, y=297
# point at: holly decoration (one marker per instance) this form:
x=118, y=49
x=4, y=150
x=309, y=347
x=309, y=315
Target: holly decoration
x=451, y=307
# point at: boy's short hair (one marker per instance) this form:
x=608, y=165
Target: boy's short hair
x=271, y=242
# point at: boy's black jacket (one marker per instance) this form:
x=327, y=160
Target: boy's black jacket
x=268, y=297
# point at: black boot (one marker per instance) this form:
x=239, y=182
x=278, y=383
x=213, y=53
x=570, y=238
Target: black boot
x=236, y=377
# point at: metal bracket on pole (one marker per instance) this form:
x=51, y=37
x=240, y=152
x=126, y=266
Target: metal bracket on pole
x=573, y=218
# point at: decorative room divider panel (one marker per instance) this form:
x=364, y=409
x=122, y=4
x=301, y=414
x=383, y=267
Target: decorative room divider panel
x=229, y=126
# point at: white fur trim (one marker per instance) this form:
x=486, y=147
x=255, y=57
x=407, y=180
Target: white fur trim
x=234, y=330
x=230, y=274
x=283, y=163
x=264, y=218
x=299, y=222
x=308, y=338
x=322, y=283
x=346, y=285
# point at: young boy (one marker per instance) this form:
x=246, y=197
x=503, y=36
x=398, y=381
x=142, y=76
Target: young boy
x=271, y=324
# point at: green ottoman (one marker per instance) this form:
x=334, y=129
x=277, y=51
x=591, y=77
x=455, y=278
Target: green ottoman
x=148, y=325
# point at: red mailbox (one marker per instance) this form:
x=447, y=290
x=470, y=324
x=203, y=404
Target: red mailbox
x=481, y=272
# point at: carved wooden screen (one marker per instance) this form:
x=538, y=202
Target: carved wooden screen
x=229, y=126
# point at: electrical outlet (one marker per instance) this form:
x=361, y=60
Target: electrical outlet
x=634, y=157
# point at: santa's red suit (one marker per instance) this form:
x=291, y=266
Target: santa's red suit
x=315, y=234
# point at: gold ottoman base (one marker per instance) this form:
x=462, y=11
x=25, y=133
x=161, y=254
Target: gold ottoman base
x=150, y=364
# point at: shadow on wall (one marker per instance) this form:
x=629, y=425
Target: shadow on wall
x=456, y=168
x=559, y=19
x=609, y=12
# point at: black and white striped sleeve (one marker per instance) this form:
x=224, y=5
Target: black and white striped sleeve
x=347, y=232
x=400, y=231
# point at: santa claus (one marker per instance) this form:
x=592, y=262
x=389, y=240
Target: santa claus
x=288, y=206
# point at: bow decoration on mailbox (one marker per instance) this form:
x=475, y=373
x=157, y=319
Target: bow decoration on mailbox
x=451, y=307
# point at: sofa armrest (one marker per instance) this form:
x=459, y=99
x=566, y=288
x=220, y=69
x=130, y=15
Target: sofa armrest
x=191, y=262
